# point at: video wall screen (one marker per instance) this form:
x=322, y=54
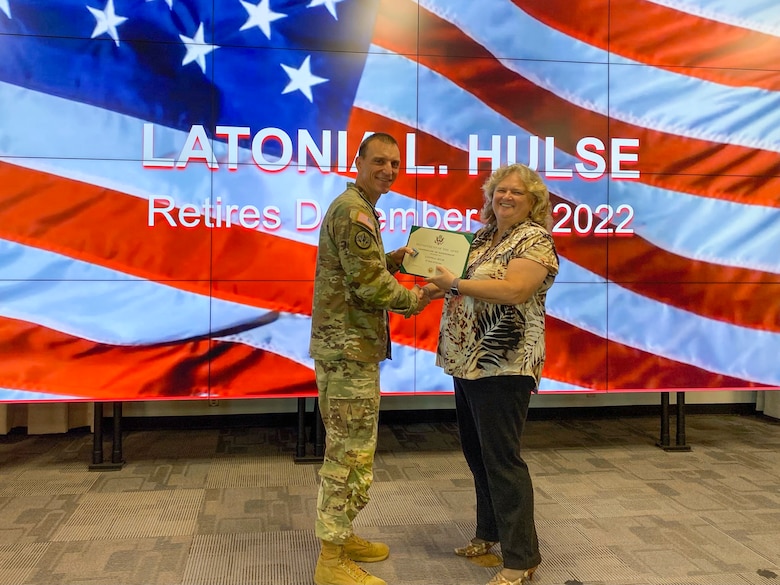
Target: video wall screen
x=165, y=165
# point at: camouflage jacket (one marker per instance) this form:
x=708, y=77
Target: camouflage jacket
x=354, y=285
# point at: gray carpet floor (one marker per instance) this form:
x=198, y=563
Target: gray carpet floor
x=231, y=507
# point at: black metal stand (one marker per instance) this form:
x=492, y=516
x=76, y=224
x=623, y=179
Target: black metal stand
x=319, y=431
x=97, y=446
x=313, y=449
x=665, y=440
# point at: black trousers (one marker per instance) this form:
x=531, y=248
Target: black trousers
x=491, y=416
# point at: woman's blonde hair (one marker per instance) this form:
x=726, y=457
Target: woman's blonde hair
x=534, y=187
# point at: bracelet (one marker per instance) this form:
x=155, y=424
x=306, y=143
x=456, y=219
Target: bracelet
x=454, y=291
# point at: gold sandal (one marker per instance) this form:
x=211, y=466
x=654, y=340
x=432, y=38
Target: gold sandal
x=475, y=549
x=527, y=576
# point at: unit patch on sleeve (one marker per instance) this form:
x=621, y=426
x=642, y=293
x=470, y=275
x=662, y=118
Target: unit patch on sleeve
x=362, y=240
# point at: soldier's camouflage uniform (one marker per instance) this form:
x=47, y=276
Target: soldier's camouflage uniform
x=353, y=290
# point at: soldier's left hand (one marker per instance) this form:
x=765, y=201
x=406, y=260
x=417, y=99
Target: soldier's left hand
x=398, y=255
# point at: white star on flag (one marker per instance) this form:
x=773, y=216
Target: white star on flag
x=5, y=7
x=106, y=21
x=261, y=16
x=302, y=79
x=168, y=2
x=197, y=49
x=329, y=4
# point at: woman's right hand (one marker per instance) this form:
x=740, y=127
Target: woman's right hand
x=442, y=279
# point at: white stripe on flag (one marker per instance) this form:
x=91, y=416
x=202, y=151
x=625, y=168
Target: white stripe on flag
x=12, y=395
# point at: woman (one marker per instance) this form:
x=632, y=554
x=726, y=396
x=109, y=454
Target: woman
x=492, y=343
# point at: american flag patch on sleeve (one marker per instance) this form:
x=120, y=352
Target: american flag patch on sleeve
x=363, y=218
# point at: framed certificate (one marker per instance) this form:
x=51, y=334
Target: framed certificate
x=435, y=247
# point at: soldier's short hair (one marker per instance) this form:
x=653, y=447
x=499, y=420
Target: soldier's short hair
x=381, y=137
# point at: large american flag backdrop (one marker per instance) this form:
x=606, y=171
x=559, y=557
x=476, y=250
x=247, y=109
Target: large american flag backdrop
x=132, y=132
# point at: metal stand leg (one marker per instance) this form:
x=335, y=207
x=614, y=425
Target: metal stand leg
x=116, y=453
x=319, y=432
x=301, y=452
x=97, y=450
x=300, y=444
x=665, y=440
x=680, y=444
x=97, y=436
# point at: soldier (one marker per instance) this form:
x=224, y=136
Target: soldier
x=354, y=288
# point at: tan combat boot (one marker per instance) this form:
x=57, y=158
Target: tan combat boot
x=334, y=568
x=364, y=551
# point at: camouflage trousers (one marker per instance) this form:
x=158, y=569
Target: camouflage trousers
x=349, y=404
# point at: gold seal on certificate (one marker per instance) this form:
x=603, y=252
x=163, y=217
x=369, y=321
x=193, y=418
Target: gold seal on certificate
x=433, y=247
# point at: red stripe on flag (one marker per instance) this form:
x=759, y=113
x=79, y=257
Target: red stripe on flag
x=692, y=285
x=660, y=36
x=599, y=360
x=96, y=225
x=38, y=359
